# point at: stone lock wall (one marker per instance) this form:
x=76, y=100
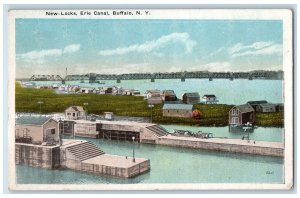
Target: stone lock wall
x=32, y=155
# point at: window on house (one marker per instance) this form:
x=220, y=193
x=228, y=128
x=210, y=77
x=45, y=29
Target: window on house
x=68, y=113
x=233, y=112
x=52, y=131
x=73, y=114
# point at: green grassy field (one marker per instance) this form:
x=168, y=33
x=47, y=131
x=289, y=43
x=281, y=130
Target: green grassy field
x=212, y=115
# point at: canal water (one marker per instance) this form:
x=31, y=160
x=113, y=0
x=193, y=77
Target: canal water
x=170, y=165
x=237, y=91
x=182, y=165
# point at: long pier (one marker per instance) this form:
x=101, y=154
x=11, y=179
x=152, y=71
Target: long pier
x=253, y=147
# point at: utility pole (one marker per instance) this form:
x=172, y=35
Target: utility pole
x=133, y=153
x=40, y=103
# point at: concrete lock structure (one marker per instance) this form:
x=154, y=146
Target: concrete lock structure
x=155, y=134
x=34, y=149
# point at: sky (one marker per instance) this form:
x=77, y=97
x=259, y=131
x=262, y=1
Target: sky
x=49, y=46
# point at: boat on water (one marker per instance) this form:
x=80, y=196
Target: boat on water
x=187, y=133
x=248, y=127
x=101, y=82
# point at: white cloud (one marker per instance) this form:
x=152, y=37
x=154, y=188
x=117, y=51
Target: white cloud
x=154, y=45
x=272, y=49
x=39, y=56
x=257, y=48
x=72, y=48
x=43, y=55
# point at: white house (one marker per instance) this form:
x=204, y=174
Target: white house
x=75, y=113
x=209, y=99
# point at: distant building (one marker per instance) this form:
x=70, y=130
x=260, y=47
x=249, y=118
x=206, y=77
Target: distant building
x=153, y=97
x=75, y=113
x=177, y=110
x=131, y=92
x=255, y=104
x=168, y=95
x=279, y=107
x=241, y=114
x=86, y=90
x=191, y=98
x=266, y=108
x=109, y=115
x=209, y=99
x=36, y=130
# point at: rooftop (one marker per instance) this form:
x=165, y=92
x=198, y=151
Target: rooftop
x=75, y=108
x=32, y=120
x=192, y=94
x=245, y=108
x=209, y=95
x=267, y=105
x=178, y=106
x=257, y=102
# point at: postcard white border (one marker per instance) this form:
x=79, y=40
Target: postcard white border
x=214, y=14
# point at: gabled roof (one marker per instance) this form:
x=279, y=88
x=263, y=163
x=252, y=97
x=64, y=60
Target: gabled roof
x=192, y=94
x=209, y=95
x=267, y=105
x=75, y=108
x=178, y=106
x=257, y=102
x=244, y=108
x=32, y=120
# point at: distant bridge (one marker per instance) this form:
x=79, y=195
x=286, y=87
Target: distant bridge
x=92, y=77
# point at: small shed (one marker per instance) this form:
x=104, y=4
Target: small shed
x=86, y=90
x=169, y=95
x=266, y=108
x=241, y=114
x=36, y=130
x=178, y=110
x=279, y=107
x=75, y=113
x=109, y=115
x=256, y=103
x=209, y=99
x=153, y=97
x=191, y=98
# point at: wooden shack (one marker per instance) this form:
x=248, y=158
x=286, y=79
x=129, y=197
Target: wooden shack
x=241, y=115
x=75, y=113
x=255, y=104
x=36, y=130
x=169, y=95
x=191, y=98
x=266, y=108
x=153, y=97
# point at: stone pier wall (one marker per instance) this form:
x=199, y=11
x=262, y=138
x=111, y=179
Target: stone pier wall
x=235, y=148
x=37, y=156
x=97, y=169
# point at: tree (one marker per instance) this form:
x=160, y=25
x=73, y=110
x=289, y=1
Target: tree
x=197, y=114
